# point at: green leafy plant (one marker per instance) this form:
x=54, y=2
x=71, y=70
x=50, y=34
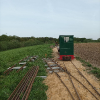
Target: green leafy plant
x=94, y=70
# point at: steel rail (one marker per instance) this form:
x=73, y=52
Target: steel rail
x=84, y=86
x=29, y=78
x=22, y=86
x=24, y=65
x=86, y=79
x=16, y=92
x=65, y=85
x=60, y=80
x=23, y=59
x=77, y=80
x=19, y=85
x=9, y=69
x=73, y=84
x=20, y=68
x=18, y=95
x=30, y=85
x=71, y=81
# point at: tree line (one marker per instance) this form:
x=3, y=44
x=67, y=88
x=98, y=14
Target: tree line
x=11, y=42
x=84, y=40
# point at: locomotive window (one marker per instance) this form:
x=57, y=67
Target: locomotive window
x=66, y=39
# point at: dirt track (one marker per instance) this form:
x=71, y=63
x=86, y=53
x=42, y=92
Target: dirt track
x=57, y=91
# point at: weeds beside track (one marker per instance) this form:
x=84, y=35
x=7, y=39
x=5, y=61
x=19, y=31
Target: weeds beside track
x=9, y=83
x=90, y=68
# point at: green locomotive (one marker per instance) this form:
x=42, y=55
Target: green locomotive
x=66, y=47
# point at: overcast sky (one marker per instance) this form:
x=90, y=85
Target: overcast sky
x=51, y=18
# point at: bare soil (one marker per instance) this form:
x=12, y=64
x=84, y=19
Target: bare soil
x=89, y=52
x=57, y=91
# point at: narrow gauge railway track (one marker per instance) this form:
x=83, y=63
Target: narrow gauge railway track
x=70, y=77
x=23, y=89
x=28, y=58
x=10, y=69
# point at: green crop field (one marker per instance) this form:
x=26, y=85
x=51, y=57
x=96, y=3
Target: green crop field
x=9, y=82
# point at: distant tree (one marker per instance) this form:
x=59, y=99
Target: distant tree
x=98, y=39
x=3, y=37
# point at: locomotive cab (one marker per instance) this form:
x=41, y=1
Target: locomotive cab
x=66, y=47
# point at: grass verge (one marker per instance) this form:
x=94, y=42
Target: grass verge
x=93, y=70
x=8, y=58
